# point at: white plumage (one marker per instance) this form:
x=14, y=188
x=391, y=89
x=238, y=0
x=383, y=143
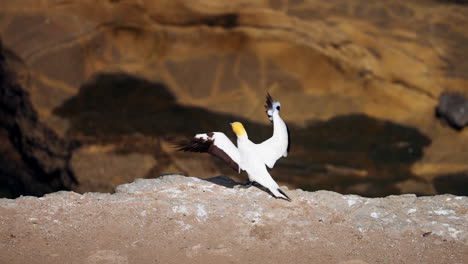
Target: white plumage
x=248, y=156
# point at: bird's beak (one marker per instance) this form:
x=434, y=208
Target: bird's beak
x=230, y=124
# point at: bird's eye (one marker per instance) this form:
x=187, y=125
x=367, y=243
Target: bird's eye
x=278, y=108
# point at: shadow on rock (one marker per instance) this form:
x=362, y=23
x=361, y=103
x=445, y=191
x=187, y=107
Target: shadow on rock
x=230, y=183
x=223, y=181
x=348, y=154
x=456, y=183
x=113, y=105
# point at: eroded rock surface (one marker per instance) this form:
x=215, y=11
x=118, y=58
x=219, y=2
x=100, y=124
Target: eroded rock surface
x=176, y=219
x=388, y=61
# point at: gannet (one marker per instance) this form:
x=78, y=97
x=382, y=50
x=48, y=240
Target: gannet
x=248, y=156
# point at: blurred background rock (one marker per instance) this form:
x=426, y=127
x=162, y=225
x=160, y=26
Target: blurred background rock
x=359, y=81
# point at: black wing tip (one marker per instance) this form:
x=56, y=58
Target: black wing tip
x=178, y=145
x=183, y=145
x=192, y=145
x=269, y=101
x=285, y=195
x=201, y=145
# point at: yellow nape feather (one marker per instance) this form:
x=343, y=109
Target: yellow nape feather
x=238, y=128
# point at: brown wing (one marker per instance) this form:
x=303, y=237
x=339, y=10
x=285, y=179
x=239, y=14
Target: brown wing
x=207, y=145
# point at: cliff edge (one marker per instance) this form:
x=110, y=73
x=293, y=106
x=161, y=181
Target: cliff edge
x=174, y=219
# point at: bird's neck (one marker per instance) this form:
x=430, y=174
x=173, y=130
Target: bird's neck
x=278, y=123
x=242, y=139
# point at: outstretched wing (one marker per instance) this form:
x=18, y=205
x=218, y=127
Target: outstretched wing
x=215, y=143
x=279, y=144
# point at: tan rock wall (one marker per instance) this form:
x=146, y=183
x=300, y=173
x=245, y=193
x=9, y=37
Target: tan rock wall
x=388, y=59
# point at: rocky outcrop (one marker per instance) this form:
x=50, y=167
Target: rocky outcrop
x=33, y=159
x=453, y=108
x=177, y=219
x=367, y=65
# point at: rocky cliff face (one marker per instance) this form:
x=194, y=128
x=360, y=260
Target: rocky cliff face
x=176, y=219
x=33, y=159
x=359, y=83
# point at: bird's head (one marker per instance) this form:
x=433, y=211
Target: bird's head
x=239, y=129
x=273, y=107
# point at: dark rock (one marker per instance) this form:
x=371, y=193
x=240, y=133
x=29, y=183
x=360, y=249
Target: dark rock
x=461, y=2
x=33, y=159
x=453, y=107
x=454, y=183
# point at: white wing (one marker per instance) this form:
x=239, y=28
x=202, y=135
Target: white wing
x=215, y=143
x=274, y=148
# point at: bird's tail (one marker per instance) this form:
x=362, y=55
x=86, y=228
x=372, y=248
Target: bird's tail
x=278, y=193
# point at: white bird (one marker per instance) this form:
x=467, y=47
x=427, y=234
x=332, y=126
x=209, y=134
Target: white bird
x=248, y=156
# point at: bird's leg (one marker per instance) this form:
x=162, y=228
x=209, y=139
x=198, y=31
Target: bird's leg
x=245, y=184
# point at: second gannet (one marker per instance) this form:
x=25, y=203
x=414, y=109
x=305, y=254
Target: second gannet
x=247, y=156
